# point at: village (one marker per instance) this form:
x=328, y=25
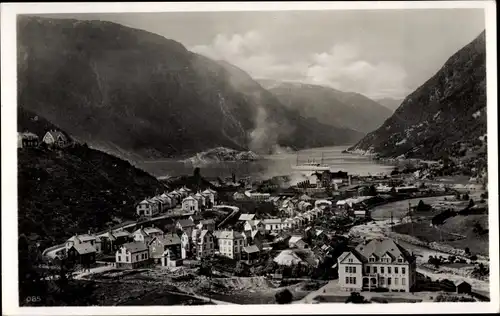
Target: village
x=326, y=239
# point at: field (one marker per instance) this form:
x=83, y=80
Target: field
x=400, y=208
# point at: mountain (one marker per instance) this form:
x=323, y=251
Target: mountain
x=139, y=95
x=445, y=116
x=330, y=106
x=62, y=192
x=390, y=103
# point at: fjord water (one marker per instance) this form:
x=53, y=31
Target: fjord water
x=277, y=164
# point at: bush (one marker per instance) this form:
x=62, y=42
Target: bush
x=473, y=258
x=284, y=297
x=356, y=298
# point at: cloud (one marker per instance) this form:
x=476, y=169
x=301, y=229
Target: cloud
x=342, y=67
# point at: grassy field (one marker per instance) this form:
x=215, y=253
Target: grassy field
x=400, y=208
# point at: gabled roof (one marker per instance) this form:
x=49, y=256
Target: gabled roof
x=196, y=217
x=83, y=238
x=230, y=234
x=354, y=253
x=189, y=198
x=152, y=230
x=294, y=239
x=246, y=217
x=379, y=248
x=251, y=249
x=84, y=248
x=167, y=239
x=135, y=246
x=185, y=222
x=28, y=135
x=272, y=221
x=56, y=134
x=166, y=196
x=207, y=221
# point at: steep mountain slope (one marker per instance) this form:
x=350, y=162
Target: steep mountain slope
x=61, y=192
x=444, y=116
x=136, y=94
x=330, y=106
x=390, y=103
x=276, y=123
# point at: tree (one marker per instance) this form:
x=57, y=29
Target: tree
x=356, y=298
x=465, y=197
x=452, y=258
x=372, y=191
x=471, y=203
x=467, y=251
x=197, y=178
x=284, y=297
x=473, y=258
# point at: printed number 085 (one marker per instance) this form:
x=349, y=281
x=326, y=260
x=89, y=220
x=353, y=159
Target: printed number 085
x=33, y=299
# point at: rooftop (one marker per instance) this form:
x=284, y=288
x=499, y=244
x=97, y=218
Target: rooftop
x=135, y=246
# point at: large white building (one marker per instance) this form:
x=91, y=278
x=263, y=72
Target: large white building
x=377, y=264
x=231, y=243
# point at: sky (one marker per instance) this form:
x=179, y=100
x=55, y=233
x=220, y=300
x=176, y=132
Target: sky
x=378, y=53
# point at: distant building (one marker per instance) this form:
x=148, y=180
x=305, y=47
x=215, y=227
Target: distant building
x=145, y=235
x=208, y=224
x=293, y=241
x=203, y=243
x=246, y=217
x=111, y=241
x=463, y=287
x=147, y=208
x=186, y=225
x=27, y=140
x=166, y=250
x=84, y=240
x=201, y=200
x=83, y=254
x=251, y=254
x=132, y=255
x=231, y=244
x=377, y=264
x=190, y=204
x=273, y=224
x=210, y=196
x=55, y=138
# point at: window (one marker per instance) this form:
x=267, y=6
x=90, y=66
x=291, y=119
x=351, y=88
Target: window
x=136, y=257
x=346, y=269
x=389, y=270
x=382, y=281
x=354, y=280
x=388, y=281
x=403, y=281
x=350, y=260
x=372, y=259
x=127, y=259
x=119, y=258
x=367, y=269
x=396, y=270
x=403, y=270
x=396, y=281
x=400, y=260
x=353, y=269
x=347, y=279
x=374, y=269
x=382, y=269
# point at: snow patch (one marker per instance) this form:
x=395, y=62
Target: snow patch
x=437, y=115
x=477, y=114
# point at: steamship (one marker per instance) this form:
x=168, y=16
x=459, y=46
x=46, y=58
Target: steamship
x=311, y=166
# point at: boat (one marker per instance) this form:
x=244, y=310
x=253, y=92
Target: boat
x=311, y=165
